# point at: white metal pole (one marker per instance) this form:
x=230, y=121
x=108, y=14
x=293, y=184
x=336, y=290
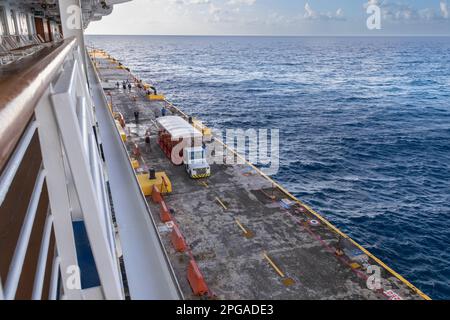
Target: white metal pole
x=84, y=183
x=72, y=23
x=16, y=265
x=52, y=156
x=53, y=291
x=2, y=296
x=13, y=164
x=42, y=260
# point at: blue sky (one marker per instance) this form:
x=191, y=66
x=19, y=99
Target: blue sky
x=275, y=17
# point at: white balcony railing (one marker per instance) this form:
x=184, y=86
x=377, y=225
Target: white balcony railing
x=79, y=144
x=72, y=170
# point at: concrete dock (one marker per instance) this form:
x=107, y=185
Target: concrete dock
x=249, y=237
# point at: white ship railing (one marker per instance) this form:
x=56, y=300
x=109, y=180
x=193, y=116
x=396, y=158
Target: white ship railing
x=149, y=272
x=18, y=259
x=73, y=126
x=73, y=172
x=12, y=281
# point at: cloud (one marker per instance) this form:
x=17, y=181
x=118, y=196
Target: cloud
x=220, y=15
x=181, y=2
x=228, y=11
x=371, y=2
x=199, y=1
x=396, y=11
x=242, y=2
x=311, y=14
x=444, y=9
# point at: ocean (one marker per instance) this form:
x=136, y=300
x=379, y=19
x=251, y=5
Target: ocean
x=364, y=127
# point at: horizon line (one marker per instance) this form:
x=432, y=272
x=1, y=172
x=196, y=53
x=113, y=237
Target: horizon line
x=274, y=35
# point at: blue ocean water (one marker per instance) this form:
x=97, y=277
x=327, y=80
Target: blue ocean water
x=364, y=126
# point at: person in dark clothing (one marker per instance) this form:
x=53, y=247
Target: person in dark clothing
x=147, y=140
x=147, y=143
x=136, y=116
x=163, y=111
x=129, y=87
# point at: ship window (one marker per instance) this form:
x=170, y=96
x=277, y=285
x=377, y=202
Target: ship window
x=196, y=155
x=22, y=22
x=13, y=24
x=30, y=23
x=3, y=25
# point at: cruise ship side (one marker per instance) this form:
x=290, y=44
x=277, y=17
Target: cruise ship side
x=93, y=205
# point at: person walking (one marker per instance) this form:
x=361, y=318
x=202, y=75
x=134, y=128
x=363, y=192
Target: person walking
x=147, y=143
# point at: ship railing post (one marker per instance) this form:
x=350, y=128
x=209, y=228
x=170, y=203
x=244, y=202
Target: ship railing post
x=83, y=87
x=96, y=172
x=101, y=191
x=96, y=157
x=72, y=24
x=2, y=296
x=9, y=172
x=42, y=259
x=91, y=140
x=18, y=259
x=53, y=290
x=52, y=156
x=64, y=99
x=83, y=121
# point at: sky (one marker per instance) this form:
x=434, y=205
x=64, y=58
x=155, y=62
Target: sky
x=275, y=17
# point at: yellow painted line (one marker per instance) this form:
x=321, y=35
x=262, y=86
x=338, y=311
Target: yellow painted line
x=205, y=184
x=241, y=226
x=274, y=266
x=176, y=108
x=221, y=203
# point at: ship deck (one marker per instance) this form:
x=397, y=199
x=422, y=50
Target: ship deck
x=287, y=252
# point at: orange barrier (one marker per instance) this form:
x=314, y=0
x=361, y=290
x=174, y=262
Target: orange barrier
x=177, y=239
x=164, y=214
x=196, y=280
x=156, y=195
x=164, y=185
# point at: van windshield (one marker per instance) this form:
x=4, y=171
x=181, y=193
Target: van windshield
x=196, y=155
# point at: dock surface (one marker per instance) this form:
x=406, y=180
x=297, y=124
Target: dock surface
x=249, y=237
